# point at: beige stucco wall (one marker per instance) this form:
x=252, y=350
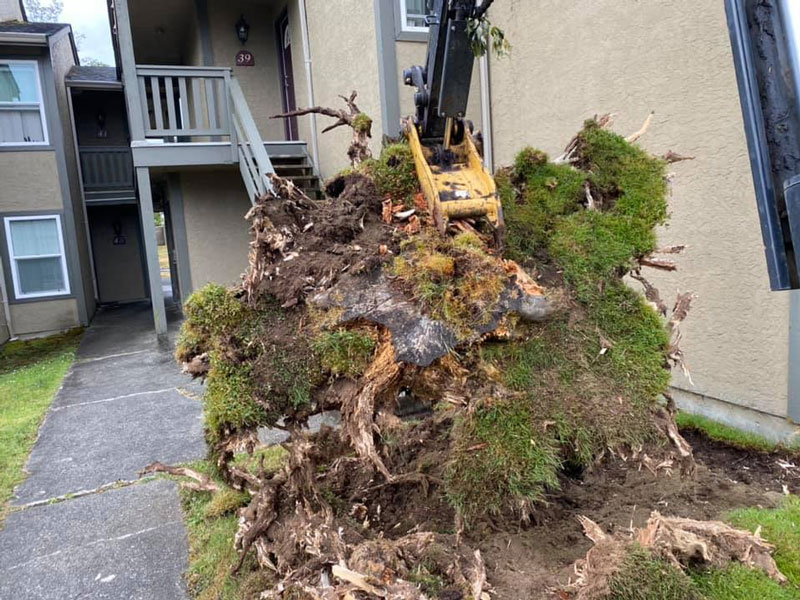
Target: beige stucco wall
x=260, y=83
x=214, y=205
x=572, y=59
x=31, y=318
x=118, y=266
x=344, y=52
x=30, y=181
x=63, y=59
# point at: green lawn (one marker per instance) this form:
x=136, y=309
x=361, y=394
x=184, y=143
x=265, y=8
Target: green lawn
x=729, y=435
x=781, y=527
x=30, y=374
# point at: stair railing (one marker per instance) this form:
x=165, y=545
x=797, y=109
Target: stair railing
x=254, y=162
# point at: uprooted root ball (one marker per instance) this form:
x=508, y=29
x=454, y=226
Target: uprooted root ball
x=466, y=383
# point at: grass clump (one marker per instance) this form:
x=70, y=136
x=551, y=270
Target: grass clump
x=225, y=502
x=728, y=435
x=212, y=555
x=498, y=463
x=394, y=173
x=549, y=191
x=30, y=375
x=644, y=577
x=346, y=352
x=585, y=380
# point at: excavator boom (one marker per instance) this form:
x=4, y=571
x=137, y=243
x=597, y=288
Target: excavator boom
x=451, y=172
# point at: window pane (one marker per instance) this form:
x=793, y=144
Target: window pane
x=18, y=83
x=21, y=126
x=35, y=237
x=415, y=13
x=38, y=275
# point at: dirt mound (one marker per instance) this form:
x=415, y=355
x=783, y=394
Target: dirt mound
x=471, y=396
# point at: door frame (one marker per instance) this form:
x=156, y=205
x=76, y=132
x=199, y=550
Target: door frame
x=290, y=129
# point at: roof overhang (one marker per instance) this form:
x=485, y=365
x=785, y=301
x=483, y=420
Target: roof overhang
x=86, y=84
x=23, y=39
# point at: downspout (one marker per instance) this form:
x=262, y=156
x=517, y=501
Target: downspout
x=309, y=82
x=791, y=18
x=4, y=299
x=486, y=113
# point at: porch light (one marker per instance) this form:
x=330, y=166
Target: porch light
x=242, y=29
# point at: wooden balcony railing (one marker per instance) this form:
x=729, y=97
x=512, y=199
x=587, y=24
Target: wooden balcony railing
x=106, y=168
x=185, y=103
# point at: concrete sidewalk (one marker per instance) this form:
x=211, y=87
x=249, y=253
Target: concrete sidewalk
x=76, y=534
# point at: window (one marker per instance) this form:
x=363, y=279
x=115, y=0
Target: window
x=22, y=119
x=412, y=14
x=36, y=254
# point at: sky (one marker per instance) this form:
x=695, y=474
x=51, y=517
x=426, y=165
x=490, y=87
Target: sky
x=89, y=20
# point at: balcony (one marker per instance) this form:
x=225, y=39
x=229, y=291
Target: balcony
x=107, y=173
x=199, y=116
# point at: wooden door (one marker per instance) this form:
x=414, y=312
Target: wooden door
x=288, y=99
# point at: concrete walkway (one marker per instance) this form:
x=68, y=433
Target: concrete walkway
x=84, y=528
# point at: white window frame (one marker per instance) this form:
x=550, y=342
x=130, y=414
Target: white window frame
x=42, y=116
x=404, y=26
x=13, y=260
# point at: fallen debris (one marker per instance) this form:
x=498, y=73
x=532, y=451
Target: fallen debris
x=680, y=543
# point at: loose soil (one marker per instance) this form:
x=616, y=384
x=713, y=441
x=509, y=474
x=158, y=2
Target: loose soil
x=529, y=563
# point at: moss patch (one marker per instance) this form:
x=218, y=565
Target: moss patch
x=250, y=384
x=454, y=280
x=345, y=352
x=394, y=173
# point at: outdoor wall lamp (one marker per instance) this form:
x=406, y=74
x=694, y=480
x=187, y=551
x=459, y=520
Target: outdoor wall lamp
x=242, y=29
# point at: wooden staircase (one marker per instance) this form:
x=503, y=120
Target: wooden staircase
x=300, y=171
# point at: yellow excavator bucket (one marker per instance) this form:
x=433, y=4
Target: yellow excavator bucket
x=458, y=189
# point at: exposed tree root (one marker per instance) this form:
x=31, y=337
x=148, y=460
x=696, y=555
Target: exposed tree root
x=681, y=542
x=359, y=122
x=204, y=482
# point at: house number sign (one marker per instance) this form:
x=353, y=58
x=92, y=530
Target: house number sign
x=245, y=58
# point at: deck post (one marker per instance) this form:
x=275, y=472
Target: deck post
x=151, y=249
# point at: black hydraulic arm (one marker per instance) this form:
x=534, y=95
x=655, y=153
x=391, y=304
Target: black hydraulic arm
x=443, y=83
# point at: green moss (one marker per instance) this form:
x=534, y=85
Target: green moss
x=394, y=173
x=500, y=460
x=229, y=398
x=210, y=312
x=643, y=577
x=362, y=123
x=454, y=281
x=273, y=459
x=467, y=240
x=344, y=353
x=780, y=527
x=224, y=502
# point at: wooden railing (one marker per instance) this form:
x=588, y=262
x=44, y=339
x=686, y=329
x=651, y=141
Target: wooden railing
x=254, y=162
x=185, y=103
x=106, y=167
